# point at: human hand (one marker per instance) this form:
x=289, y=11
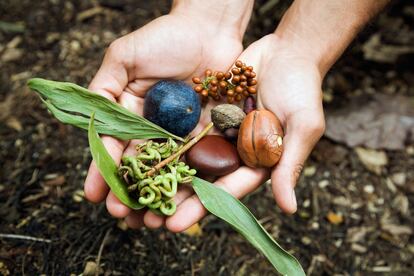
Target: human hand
x=290, y=65
x=175, y=46
x=289, y=85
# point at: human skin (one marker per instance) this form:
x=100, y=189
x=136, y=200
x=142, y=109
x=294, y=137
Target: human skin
x=290, y=65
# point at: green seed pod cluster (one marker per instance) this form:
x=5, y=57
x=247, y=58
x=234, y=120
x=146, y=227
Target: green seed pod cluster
x=158, y=190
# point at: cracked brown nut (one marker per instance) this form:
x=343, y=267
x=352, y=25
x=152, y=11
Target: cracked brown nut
x=260, y=141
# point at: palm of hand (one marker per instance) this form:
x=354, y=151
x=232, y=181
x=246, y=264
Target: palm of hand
x=131, y=66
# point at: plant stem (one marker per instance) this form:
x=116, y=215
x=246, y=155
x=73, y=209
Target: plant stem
x=181, y=151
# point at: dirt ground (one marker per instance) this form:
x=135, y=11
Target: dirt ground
x=351, y=220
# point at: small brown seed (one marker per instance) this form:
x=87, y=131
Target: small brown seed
x=220, y=75
x=230, y=92
x=235, y=79
x=213, y=82
x=252, y=82
x=239, y=89
x=223, y=84
x=235, y=71
x=230, y=99
x=204, y=92
x=196, y=80
x=198, y=88
x=238, y=97
x=250, y=68
x=227, y=75
x=239, y=63
x=252, y=90
x=208, y=73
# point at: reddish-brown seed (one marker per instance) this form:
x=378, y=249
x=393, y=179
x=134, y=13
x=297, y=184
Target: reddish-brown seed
x=222, y=84
x=252, y=82
x=239, y=89
x=230, y=92
x=213, y=82
x=252, y=74
x=227, y=75
x=235, y=71
x=250, y=68
x=252, y=90
x=243, y=78
x=260, y=140
x=238, y=97
x=204, y=92
x=239, y=63
x=243, y=84
x=213, y=88
x=198, y=88
x=247, y=73
x=208, y=73
x=220, y=75
x=235, y=79
x=196, y=80
x=244, y=68
x=245, y=93
x=230, y=100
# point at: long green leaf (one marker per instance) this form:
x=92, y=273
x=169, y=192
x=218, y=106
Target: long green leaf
x=108, y=168
x=73, y=104
x=228, y=208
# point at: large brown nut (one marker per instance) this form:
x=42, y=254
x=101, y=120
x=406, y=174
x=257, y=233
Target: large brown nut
x=260, y=141
x=213, y=155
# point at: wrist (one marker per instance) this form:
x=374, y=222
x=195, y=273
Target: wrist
x=321, y=31
x=216, y=16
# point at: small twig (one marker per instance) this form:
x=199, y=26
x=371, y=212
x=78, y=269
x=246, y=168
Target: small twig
x=181, y=151
x=21, y=237
x=98, y=258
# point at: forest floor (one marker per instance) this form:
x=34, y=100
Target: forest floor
x=354, y=206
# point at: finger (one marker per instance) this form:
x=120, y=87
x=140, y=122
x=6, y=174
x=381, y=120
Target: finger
x=115, y=207
x=238, y=183
x=303, y=131
x=109, y=82
x=152, y=220
x=135, y=219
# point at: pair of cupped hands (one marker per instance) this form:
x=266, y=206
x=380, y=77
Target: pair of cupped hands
x=180, y=47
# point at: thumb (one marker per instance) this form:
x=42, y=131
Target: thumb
x=302, y=132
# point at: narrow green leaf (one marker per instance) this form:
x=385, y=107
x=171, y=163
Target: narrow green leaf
x=228, y=208
x=108, y=168
x=73, y=104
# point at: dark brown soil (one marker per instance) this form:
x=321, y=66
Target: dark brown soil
x=43, y=163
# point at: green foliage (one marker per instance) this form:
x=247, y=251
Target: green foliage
x=73, y=104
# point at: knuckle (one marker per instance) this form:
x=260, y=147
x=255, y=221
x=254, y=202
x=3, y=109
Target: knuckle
x=114, y=49
x=316, y=126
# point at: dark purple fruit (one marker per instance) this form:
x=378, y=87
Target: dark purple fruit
x=174, y=106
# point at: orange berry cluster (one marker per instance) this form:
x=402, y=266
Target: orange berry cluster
x=235, y=85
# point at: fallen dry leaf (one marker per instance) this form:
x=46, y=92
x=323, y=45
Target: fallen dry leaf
x=194, y=230
x=383, y=122
x=373, y=160
x=335, y=218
